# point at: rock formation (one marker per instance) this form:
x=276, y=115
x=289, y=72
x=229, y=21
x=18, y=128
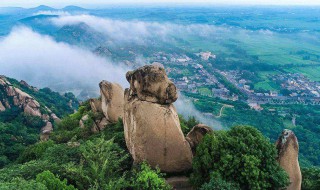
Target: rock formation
x=11, y=96
x=108, y=109
x=288, y=149
x=194, y=137
x=112, y=101
x=151, y=123
x=19, y=98
x=46, y=131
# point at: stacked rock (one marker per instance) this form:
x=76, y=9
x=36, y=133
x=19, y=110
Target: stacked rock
x=151, y=123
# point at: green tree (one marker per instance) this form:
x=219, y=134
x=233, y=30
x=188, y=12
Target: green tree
x=241, y=155
x=147, y=179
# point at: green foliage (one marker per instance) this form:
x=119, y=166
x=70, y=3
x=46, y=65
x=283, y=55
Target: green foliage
x=217, y=183
x=241, y=155
x=34, y=151
x=15, y=136
x=147, y=179
x=310, y=178
x=21, y=184
x=58, y=104
x=53, y=182
x=69, y=128
x=186, y=125
x=102, y=165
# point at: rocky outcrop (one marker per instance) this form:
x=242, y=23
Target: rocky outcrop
x=194, y=137
x=2, y=108
x=12, y=96
x=112, y=101
x=151, y=123
x=288, y=149
x=46, y=131
x=95, y=105
x=107, y=109
x=19, y=98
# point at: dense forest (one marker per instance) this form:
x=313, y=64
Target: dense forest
x=77, y=158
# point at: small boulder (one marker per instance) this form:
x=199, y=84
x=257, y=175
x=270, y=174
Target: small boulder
x=2, y=108
x=195, y=136
x=46, y=131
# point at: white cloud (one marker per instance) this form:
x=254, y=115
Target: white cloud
x=186, y=108
x=46, y=63
x=59, y=13
x=139, y=32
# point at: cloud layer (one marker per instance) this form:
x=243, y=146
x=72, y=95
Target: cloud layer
x=138, y=31
x=44, y=62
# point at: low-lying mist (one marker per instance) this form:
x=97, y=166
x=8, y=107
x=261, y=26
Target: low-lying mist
x=44, y=62
x=186, y=108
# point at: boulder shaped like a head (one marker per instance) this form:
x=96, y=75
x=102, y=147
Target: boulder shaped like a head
x=150, y=83
x=288, y=150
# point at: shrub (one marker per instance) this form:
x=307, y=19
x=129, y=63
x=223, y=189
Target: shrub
x=21, y=184
x=217, y=183
x=241, y=155
x=102, y=166
x=147, y=179
x=35, y=151
x=52, y=182
x=310, y=178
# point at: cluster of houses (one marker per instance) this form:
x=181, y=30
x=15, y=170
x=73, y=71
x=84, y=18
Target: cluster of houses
x=298, y=85
x=301, y=89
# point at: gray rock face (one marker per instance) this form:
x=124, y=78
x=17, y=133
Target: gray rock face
x=151, y=123
x=288, y=150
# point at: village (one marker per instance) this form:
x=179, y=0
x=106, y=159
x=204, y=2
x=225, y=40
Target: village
x=190, y=75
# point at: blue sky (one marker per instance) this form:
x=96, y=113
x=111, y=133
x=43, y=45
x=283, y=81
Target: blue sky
x=60, y=3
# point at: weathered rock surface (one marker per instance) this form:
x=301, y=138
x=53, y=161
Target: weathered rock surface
x=150, y=83
x=112, y=101
x=108, y=109
x=95, y=105
x=194, y=137
x=2, y=108
x=151, y=123
x=13, y=96
x=46, y=131
x=288, y=149
x=19, y=98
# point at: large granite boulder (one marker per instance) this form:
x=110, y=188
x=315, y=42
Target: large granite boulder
x=151, y=123
x=288, y=150
x=112, y=101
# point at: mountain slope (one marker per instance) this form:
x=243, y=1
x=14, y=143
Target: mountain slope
x=27, y=113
